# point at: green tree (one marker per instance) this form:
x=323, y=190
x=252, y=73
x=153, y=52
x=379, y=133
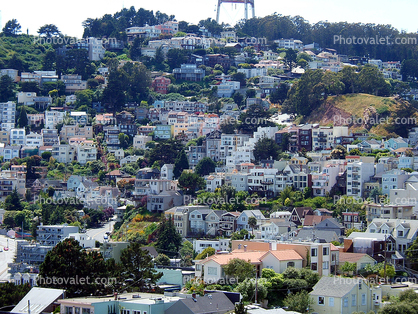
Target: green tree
x=209, y=251
x=165, y=152
x=339, y=152
x=350, y=231
x=11, y=293
x=69, y=262
x=240, y=308
x=6, y=88
x=265, y=148
x=228, y=126
x=12, y=28
x=290, y=59
x=46, y=155
x=49, y=30
x=22, y=121
x=299, y=302
x=138, y=266
x=162, y=260
x=252, y=222
x=348, y=267
x=123, y=140
x=12, y=201
x=247, y=289
x=191, y=182
x=186, y=253
x=412, y=254
x=180, y=163
x=239, y=269
x=169, y=240
x=205, y=166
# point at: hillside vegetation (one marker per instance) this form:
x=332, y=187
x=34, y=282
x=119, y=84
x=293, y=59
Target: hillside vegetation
x=382, y=116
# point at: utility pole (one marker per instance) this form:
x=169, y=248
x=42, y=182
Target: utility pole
x=384, y=267
x=256, y=287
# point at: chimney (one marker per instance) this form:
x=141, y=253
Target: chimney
x=245, y=248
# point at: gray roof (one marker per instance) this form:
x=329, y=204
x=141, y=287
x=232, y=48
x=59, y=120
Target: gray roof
x=324, y=236
x=410, y=224
x=333, y=287
x=328, y=223
x=216, y=302
x=40, y=299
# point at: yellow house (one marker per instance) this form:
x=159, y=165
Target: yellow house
x=338, y=295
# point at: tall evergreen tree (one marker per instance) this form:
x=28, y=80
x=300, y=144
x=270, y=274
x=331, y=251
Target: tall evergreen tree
x=180, y=164
x=12, y=201
x=169, y=240
x=22, y=121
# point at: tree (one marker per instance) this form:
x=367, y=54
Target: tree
x=11, y=293
x=228, y=126
x=22, y=121
x=180, y=163
x=186, y=253
x=348, y=267
x=46, y=155
x=247, y=289
x=138, y=266
x=49, y=30
x=252, y=222
x=165, y=152
x=350, y=231
x=123, y=140
x=290, y=59
x=205, y=166
x=209, y=251
x=265, y=148
x=12, y=28
x=191, y=182
x=6, y=88
x=162, y=260
x=299, y=302
x=339, y=152
x=68, y=263
x=169, y=240
x=412, y=254
x=239, y=269
x=240, y=308
x=12, y=201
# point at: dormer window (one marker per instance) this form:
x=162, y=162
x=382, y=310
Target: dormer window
x=400, y=233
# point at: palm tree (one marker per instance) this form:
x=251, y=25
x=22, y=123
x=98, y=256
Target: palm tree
x=252, y=222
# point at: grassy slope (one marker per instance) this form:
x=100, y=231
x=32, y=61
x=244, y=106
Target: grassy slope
x=338, y=109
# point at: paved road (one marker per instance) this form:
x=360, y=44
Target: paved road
x=6, y=256
x=98, y=233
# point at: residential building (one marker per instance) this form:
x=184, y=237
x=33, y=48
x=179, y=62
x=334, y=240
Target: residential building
x=389, y=211
x=332, y=295
x=291, y=43
x=73, y=83
x=50, y=137
x=393, y=179
x=140, y=141
x=111, y=134
x=160, y=84
x=126, y=123
x=352, y=220
x=53, y=234
x=163, y=131
x=202, y=304
x=34, y=140
x=249, y=73
x=360, y=259
x=63, y=153
x=113, y=250
x=52, y=118
x=218, y=245
x=4, y=138
x=189, y=72
x=7, y=115
x=74, y=130
x=357, y=174
x=86, y=153
x=17, y=136
x=395, y=143
x=12, y=73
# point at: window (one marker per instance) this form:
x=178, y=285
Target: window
x=291, y=264
x=314, y=252
x=353, y=300
x=331, y=301
x=400, y=233
x=321, y=301
x=325, y=251
x=345, y=302
x=68, y=310
x=77, y=310
x=325, y=265
x=212, y=271
x=126, y=312
x=314, y=266
x=137, y=312
x=363, y=299
x=87, y=311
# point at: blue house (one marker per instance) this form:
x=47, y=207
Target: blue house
x=395, y=143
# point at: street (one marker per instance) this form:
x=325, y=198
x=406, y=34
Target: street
x=98, y=233
x=6, y=256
